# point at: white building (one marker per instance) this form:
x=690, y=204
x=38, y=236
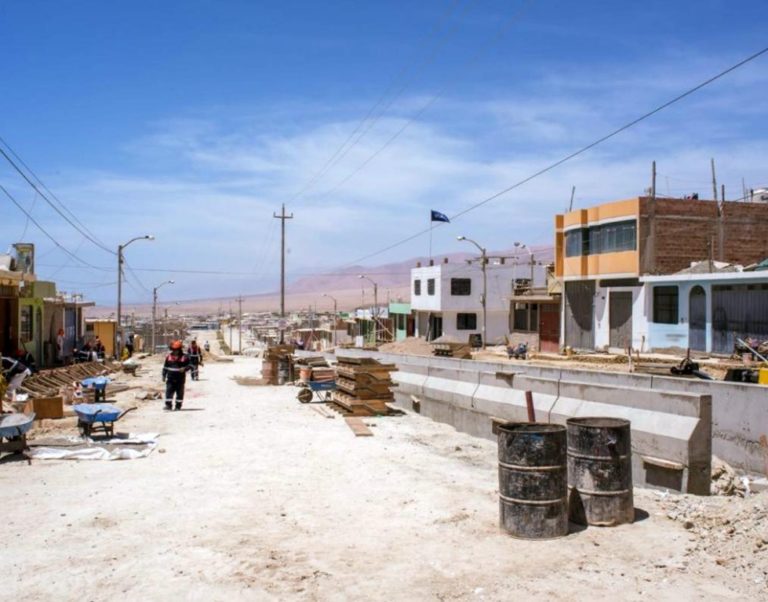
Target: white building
x=446, y=299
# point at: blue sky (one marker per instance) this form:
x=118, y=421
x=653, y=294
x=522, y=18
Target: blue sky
x=195, y=120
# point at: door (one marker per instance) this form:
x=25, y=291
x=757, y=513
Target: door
x=620, y=319
x=697, y=319
x=549, y=327
x=435, y=327
x=579, y=313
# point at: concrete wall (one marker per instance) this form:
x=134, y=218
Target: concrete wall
x=739, y=411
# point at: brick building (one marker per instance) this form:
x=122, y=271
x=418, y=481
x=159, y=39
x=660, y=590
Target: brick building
x=605, y=254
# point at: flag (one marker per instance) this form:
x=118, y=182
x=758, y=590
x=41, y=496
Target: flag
x=439, y=217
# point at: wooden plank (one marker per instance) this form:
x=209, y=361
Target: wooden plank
x=359, y=428
x=323, y=411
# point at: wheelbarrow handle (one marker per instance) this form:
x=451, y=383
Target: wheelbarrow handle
x=128, y=410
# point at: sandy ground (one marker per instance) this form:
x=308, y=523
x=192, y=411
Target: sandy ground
x=254, y=496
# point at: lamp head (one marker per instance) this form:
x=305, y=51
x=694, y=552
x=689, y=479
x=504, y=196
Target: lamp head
x=360, y=276
x=150, y=237
x=461, y=238
x=171, y=282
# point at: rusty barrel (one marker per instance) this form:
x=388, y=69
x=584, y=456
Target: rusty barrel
x=269, y=371
x=600, y=471
x=533, y=486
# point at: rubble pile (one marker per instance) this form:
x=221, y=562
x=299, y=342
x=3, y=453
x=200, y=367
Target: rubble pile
x=725, y=532
x=726, y=481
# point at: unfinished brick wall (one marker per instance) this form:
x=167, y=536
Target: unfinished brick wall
x=687, y=231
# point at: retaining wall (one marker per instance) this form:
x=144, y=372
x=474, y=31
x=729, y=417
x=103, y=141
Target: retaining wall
x=739, y=412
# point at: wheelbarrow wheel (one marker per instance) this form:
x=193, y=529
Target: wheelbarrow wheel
x=304, y=395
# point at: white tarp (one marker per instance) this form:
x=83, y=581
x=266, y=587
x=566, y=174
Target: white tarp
x=146, y=443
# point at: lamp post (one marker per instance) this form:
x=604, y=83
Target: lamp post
x=375, y=307
x=521, y=245
x=120, y=261
x=483, y=262
x=154, y=310
x=335, y=315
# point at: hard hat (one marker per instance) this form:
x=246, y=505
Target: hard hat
x=176, y=345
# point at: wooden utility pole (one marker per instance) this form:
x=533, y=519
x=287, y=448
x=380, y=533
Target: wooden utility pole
x=714, y=180
x=282, y=217
x=239, y=325
x=653, y=181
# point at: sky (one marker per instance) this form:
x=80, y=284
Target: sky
x=195, y=121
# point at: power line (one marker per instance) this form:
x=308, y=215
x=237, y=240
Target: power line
x=499, y=34
x=72, y=223
x=44, y=231
x=574, y=154
x=342, y=150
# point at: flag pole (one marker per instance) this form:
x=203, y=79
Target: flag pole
x=430, y=236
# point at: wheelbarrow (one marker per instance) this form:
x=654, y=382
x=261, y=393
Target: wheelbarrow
x=99, y=386
x=98, y=417
x=13, y=432
x=320, y=389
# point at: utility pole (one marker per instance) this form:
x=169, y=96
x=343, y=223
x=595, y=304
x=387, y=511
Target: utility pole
x=230, y=326
x=714, y=180
x=282, y=217
x=240, y=325
x=653, y=181
x=573, y=193
x=483, y=265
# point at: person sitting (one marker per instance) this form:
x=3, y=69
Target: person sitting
x=98, y=348
x=86, y=353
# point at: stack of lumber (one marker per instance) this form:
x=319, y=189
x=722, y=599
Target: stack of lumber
x=457, y=350
x=363, y=386
x=48, y=383
x=316, y=367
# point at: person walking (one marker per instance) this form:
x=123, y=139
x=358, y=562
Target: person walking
x=129, y=344
x=175, y=375
x=195, y=359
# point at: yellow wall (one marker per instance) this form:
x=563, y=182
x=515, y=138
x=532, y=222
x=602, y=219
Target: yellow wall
x=106, y=332
x=604, y=264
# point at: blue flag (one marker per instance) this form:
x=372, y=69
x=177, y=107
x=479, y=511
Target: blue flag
x=439, y=217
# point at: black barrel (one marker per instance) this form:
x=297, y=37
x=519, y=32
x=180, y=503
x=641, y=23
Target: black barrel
x=600, y=471
x=533, y=486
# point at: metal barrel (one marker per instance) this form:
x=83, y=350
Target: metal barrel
x=533, y=486
x=600, y=471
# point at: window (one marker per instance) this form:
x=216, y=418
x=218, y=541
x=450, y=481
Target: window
x=431, y=286
x=605, y=238
x=665, y=304
x=574, y=243
x=25, y=328
x=466, y=321
x=417, y=287
x=525, y=317
x=461, y=286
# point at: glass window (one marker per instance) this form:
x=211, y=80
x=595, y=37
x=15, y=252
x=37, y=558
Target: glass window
x=665, y=304
x=466, y=321
x=606, y=238
x=574, y=242
x=431, y=286
x=417, y=287
x=25, y=328
x=525, y=317
x=461, y=286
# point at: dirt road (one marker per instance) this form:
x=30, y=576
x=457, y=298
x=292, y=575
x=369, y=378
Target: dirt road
x=253, y=496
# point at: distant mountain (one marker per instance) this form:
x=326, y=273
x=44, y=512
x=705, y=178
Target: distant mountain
x=393, y=280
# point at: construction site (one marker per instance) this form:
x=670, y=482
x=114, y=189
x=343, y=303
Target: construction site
x=446, y=300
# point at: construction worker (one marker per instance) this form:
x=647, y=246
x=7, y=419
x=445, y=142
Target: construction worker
x=195, y=359
x=175, y=375
x=14, y=373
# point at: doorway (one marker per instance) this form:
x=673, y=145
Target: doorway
x=620, y=320
x=697, y=319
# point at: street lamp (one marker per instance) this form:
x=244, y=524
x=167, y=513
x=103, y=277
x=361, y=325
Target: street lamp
x=154, y=310
x=483, y=262
x=335, y=316
x=521, y=245
x=375, y=307
x=120, y=261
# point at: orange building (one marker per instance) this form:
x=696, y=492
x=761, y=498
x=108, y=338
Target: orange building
x=603, y=252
